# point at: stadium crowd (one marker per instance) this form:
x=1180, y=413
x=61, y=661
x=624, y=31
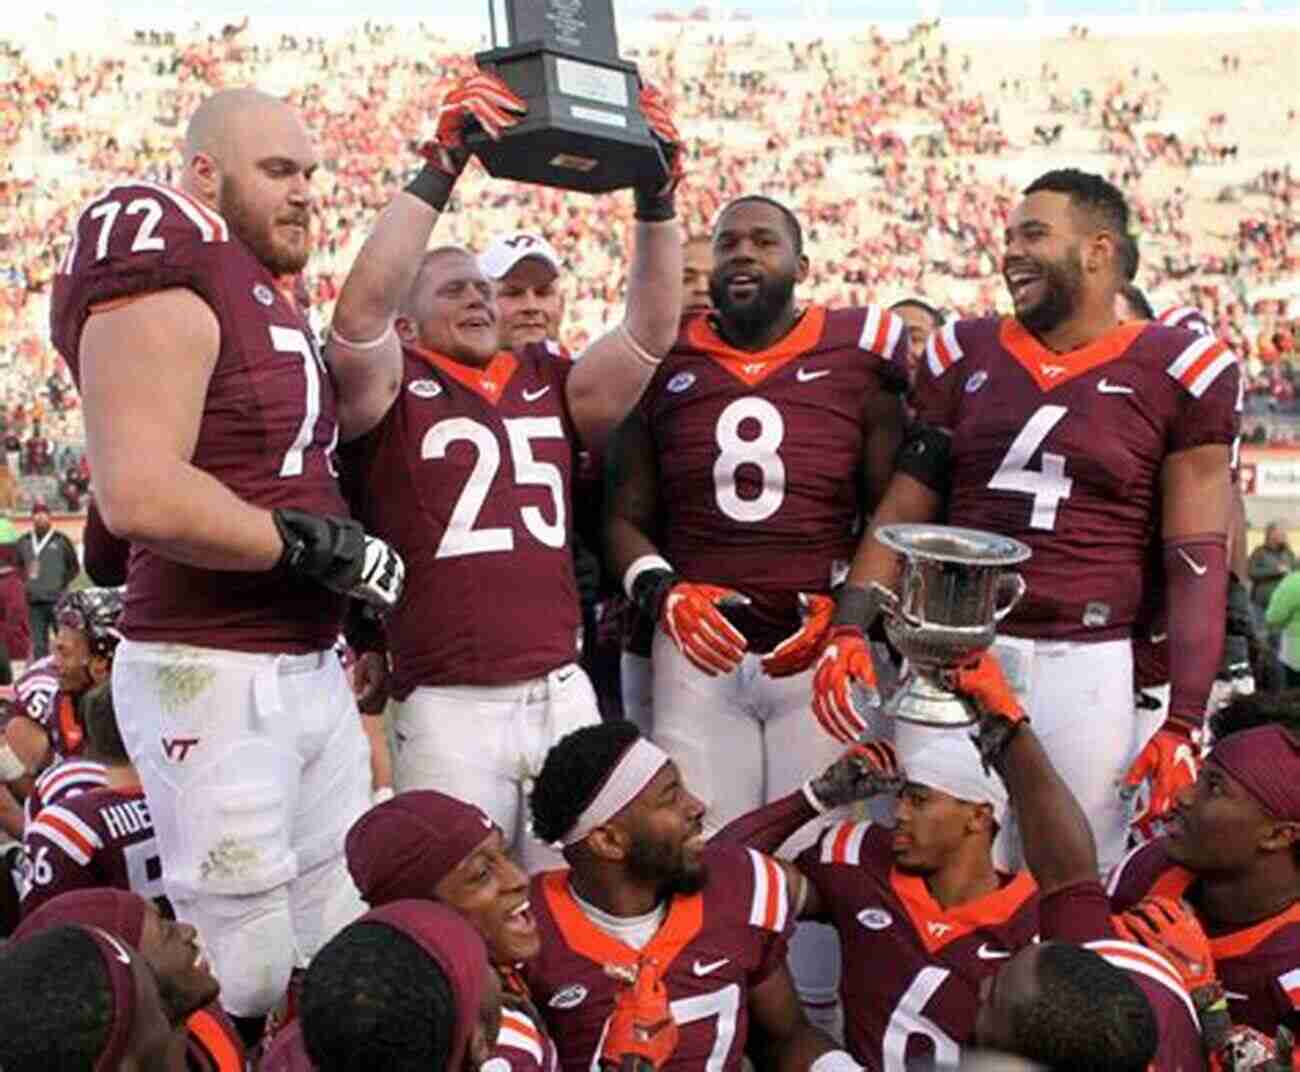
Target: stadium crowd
x=330, y=770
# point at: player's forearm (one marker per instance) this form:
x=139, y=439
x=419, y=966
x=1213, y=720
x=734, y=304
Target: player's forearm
x=385, y=268
x=1054, y=831
x=626, y=542
x=767, y=828
x=11, y=814
x=654, y=286
x=185, y=514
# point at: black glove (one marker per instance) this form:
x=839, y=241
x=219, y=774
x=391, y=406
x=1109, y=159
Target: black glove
x=337, y=553
x=651, y=588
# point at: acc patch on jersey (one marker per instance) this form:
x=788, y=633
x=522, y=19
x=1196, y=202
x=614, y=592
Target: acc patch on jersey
x=263, y=294
x=425, y=388
x=977, y=380
x=875, y=919
x=681, y=382
x=568, y=997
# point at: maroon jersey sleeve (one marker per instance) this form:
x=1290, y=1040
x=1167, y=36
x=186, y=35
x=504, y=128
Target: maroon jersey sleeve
x=35, y=690
x=60, y=848
x=133, y=239
x=106, y=554
x=1140, y=873
x=938, y=380
x=1210, y=377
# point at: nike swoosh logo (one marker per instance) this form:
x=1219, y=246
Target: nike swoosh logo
x=806, y=376
x=118, y=951
x=1108, y=388
x=1232, y=995
x=1159, y=638
x=711, y=967
x=985, y=953
x=533, y=396
x=1192, y=564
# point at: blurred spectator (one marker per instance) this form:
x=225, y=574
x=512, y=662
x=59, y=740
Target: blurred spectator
x=1283, y=615
x=50, y=561
x=1268, y=564
x=15, y=627
x=38, y=453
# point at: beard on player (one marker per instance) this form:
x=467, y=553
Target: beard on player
x=668, y=862
x=1060, y=287
x=749, y=302
x=280, y=239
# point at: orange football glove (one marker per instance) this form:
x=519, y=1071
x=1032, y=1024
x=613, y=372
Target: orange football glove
x=983, y=684
x=654, y=106
x=800, y=649
x=641, y=1034
x=865, y=770
x=845, y=665
x=1170, y=928
x=690, y=617
x=480, y=96
x=1168, y=765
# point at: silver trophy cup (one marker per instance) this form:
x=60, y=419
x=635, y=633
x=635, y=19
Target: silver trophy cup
x=955, y=589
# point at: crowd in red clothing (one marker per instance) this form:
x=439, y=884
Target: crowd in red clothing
x=882, y=158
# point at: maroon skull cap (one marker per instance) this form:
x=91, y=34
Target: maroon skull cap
x=116, y=911
x=1265, y=761
x=405, y=846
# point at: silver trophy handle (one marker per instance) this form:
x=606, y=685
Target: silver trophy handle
x=1016, y=584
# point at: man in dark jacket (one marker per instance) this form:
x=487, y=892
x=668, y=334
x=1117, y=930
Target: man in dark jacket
x=51, y=563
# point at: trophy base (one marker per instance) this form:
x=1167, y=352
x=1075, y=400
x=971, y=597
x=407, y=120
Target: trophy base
x=584, y=129
x=923, y=703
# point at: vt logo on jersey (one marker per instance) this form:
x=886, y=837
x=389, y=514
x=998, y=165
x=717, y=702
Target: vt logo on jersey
x=938, y=930
x=177, y=748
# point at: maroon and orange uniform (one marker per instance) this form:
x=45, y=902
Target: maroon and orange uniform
x=523, y=1044
x=912, y=969
x=103, y=837
x=470, y=477
x=1064, y=452
x=60, y=780
x=1259, y=964
x=712, y=948
x=268, y=428
x=760, y=456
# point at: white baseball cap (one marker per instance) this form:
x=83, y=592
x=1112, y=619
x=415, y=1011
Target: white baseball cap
x=509, y=249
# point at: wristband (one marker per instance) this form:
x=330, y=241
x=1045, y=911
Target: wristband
x=653, y=207
x=638, y=567
x=859, y=606
x=432, y=186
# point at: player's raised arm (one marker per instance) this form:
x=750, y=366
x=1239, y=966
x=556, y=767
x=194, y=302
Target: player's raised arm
x=614, y=370
x=364, y=352
x=1058, y=844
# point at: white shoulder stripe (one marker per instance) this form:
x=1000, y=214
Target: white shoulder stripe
x=1140, y=960
x=1178, y=314
x=1191, y=353
x=896, y=328
x=1290, y=980
x=770, y=907
x=1202, y=382
x=513, y=1038
x=73, y=840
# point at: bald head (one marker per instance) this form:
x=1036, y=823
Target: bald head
x=249, y=156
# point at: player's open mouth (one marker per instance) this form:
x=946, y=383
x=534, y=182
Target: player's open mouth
x=1020, y=283
x=901, y=842
x=520, y=921
x=475, y=322
x=743, y=285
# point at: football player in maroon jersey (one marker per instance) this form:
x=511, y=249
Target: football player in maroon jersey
x=87, y=1002
x=643, y=889
x=742, y=483
x=48, y=727
x=425, y=845
x=469, y=474
x=922, y=320
x=1080, y=436
x=102, y=836
x=1067, y=1000
x=203, y=1038
x=1230, y=850
x=211, y=422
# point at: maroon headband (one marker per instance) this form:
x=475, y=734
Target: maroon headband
x=117, y=965
x=116, y=911
x=458, y=950
x=405, y=846
x=1265, y=761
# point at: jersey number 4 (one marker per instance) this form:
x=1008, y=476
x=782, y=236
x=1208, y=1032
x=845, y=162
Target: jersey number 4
x=1047, y=485
x=460, y=536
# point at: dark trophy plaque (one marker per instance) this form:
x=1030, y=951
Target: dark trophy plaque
x=584, y=129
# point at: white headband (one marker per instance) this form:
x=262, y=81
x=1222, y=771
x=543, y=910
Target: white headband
x=641, y=762
x=947, y=760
